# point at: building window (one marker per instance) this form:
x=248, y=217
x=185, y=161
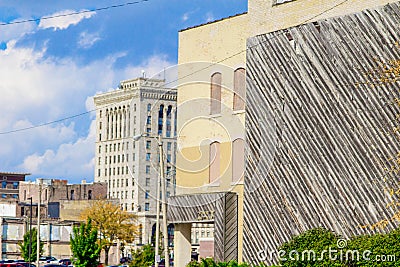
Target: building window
x=98, y=172
x=3, y=196
x=169, y=117
x=167, y=194
x=99, y=149
x=72, y=195
x=134, y=119
x=15, y=185
x=148, y=155
x=169, y=145
x=148, y=121
x=99, y=137
x=215, y=105
x=147, y=194
x=90, y=194
x=214, y=162
x=106, y=148
x=146, y=206
x=147, y=169
x=4, y=184
x=239, y=89
x=148, y=130
x=148, y=144
x=100, y=113
x=160, y=119
x=168, y=157
x=133, y=206
x=147, y=181
x=134, y=107
x=148, y=107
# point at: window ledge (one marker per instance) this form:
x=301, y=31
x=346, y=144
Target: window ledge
x=241, y=111
x=215, y=115
x=214, y=184
x=237, y=183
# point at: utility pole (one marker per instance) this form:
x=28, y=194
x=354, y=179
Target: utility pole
x=157, y=253
x=38, y=223
x=30, y=231
x=164, y=202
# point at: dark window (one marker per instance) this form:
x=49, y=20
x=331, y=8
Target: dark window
x=90, y=194
x=72, y=195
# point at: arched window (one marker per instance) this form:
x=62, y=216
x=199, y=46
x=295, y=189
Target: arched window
x=237, y=160
x=214, y=163
x=239, y=89
x=160, y=119
x=216, y=80
x=169, y=117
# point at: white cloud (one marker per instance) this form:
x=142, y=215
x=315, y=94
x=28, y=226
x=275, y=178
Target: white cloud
x=209, y=17
x=62, y=20
x=16, y=31
x=185, y=16
x=36, y=89
x=87, y=40
x=68, y=160
x=152, y=66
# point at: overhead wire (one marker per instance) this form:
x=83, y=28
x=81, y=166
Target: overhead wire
x=72, y=13
x=180, y=78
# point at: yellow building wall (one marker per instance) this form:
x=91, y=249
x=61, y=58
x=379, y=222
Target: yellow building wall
x=221, y=47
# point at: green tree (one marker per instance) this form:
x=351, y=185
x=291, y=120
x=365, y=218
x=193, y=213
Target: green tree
x=112, y=223
x=143, y=257
x=84, y=246
x=24, y=246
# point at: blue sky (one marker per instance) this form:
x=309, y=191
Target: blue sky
x=51, y=69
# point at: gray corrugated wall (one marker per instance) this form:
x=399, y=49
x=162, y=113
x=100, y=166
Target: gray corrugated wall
x=330, y=140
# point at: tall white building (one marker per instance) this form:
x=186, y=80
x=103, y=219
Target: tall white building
x=131, y=168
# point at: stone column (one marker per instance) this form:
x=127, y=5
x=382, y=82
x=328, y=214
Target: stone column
x=164, y=130
x=182, y=244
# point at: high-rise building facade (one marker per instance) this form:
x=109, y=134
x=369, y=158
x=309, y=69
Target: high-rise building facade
x=130, y=168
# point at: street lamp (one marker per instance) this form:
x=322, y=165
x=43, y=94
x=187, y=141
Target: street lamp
x=30, y=231
x=163, y=205
x=38, y=223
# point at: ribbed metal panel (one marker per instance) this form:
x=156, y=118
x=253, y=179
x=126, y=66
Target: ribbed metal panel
x=331, y=140
x=224, y=207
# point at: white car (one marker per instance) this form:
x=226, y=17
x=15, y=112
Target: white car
x=48, y=259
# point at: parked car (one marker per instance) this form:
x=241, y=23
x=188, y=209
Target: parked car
x=162, y=263
x=48, y=259
x=11, y=265
x=65, y=261
x=27, y=264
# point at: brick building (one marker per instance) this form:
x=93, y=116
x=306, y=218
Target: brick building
x=57, y=194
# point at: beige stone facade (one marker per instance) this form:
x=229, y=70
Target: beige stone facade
x=130, y=168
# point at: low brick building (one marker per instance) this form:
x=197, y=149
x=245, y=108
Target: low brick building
x=57, y=194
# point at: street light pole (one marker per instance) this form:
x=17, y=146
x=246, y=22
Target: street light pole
x=38, y=224
x=157, y=253
x=164, y=202
x=161, y=182
x=30, y=232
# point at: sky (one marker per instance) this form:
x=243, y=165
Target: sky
x=50, y=69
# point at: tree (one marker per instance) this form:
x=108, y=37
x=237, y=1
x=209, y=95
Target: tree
x=112, y=223
x=84, y=246
x=24, y=246
x=143, y=257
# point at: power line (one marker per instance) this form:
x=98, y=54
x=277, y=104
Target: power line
x=190, y=74
x=73, y=13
